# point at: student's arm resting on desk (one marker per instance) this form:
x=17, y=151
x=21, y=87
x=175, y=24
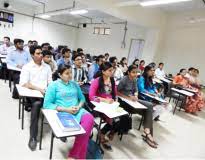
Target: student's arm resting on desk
x=24, y=80
x=120, y=88
x=93, y=92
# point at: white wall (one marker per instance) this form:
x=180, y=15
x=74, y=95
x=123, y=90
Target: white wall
x=184, y=44
x=43, y=31
x=100, y=44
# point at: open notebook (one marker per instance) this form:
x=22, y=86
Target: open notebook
x=110, y=110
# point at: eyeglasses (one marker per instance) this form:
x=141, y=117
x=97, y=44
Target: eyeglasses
x=78, y=60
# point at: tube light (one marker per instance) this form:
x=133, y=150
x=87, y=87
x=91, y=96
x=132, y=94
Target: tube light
x=160, y=2
x=75, y=12
x=44, y=16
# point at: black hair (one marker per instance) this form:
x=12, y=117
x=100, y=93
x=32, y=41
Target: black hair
x=75, y=56
x=121, y=61
x=98, y=58
x=79, y=50
x=7, y=38
x=65, y=50
x=107, y=54
x=62, y=68
x=191, y=69
x=45, y=44
x=130, y=68
x=112, y=59
x=161, y=63
x=50, y=48
x=142, y=61
x=46, y=52
x=30, y=41
x=16, y=40
x=153, y=65
x=197, y=71
x=33, y=49
x=101, y=87
x=181, y=70
x=135, y=61
x=148, y=80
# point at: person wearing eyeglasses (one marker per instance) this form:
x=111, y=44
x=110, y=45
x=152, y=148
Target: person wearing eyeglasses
x=79, y=73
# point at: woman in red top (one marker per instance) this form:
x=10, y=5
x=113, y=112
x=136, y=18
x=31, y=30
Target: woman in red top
x=141, y=66
x=193, y=104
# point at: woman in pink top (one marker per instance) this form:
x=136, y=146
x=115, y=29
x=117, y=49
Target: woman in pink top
x=103, y=89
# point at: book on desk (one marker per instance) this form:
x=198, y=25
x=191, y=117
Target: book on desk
x=67, y=122
x=110, y=110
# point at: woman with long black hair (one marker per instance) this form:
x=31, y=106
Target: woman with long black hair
x=103, y=89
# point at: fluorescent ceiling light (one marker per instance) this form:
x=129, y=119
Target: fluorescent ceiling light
x=44, y=16
x=75, y=12
x=160, y=2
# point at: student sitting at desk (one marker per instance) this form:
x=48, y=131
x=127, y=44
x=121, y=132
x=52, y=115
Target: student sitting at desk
x=123, y=65
x=141, y=66
x=65, y=95
x=35, y=75
x=145, y=85
x=79, y=73
x=159, y=72
x=117, y=72
x=194, y=103
x=66, y=57
x=5, y=47
x=47, y=58
x=17, y=58
x=103, y=89
x=94, y=68
x=127, y=89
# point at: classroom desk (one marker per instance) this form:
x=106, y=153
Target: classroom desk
x=136, y=106
x=3, y=55
x=181, y=92
x=164, y=79
x=23, y=94
x=156, y=80
x=108, y=110
x=155, y=98
x=11, y=70
x=57, y=132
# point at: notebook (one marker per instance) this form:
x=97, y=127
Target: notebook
x=67, y=122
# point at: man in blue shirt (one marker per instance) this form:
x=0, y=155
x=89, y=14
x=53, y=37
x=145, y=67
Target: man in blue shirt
x=95, y=66
x=66, y=58
x=17, y=58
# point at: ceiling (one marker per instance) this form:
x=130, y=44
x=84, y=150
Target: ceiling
x=175, y=7
x=52, y=5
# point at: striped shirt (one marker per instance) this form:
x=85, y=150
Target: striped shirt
x=79, y=74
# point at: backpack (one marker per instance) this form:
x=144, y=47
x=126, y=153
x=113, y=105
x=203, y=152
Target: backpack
x=94, y=151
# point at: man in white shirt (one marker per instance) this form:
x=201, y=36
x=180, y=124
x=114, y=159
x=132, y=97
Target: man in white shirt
x=4, y=48
x=159, y=72
x=17, y=58
x=117, y=72
x=35, y=75
x=27, y=47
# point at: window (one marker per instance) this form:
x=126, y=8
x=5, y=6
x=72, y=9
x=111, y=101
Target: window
x=101, y=31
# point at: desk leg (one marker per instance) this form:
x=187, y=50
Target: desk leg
x=98, y=138
x=10, y=80
x=41, y=136
x=176, y=104
x=22, y=120
x=183, y=103
x=51, y=146
x=20, y=101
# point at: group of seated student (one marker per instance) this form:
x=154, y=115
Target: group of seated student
x=190, y=80
x=63, y=93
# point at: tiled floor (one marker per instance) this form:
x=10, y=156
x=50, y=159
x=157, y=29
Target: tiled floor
x=179, y=136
